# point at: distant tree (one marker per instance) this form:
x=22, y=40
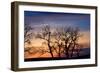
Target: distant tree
x=46, y=36
x=75, y=35
x=57, y=35
x=70, y=38
x=67, y=40
x=28, y=34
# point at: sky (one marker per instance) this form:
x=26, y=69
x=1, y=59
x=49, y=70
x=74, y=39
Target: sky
x=56, y=19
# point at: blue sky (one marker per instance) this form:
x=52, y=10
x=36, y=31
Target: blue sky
x=34, y=18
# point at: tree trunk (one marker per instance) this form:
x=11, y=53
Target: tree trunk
x=73, y=49
x=59, y=51
x=66, y=51
x=50, y=49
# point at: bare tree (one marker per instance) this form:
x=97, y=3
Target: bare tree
x=28, y=34
x=70, y=38
x=74, y=37
x=46, y=35
x=57, y=35
x=67, y=40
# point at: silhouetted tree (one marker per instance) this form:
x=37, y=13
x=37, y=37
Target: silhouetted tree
x=46, y=35
x=75, y=37
x=57, y=35
x=28, y=34
x=70, y=38
x=67, y=40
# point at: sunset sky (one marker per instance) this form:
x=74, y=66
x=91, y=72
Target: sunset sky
x=38, y=19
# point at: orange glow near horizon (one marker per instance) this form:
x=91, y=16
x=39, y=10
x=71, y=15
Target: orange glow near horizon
x=37, y=43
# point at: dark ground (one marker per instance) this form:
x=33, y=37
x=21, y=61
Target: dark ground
x=56, y=58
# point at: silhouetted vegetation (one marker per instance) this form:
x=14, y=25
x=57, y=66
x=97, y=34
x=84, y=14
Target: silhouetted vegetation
x=46, y=35
x=63, y=41
x=27, y=36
